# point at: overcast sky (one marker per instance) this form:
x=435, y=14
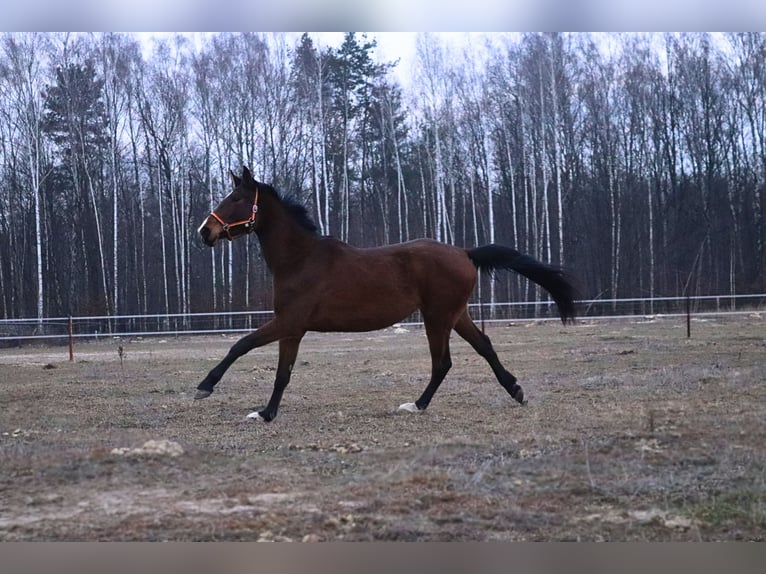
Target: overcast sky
x=383, y=15
x=391, y=46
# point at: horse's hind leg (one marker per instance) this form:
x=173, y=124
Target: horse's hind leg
x=466, y=328
x=438, y=344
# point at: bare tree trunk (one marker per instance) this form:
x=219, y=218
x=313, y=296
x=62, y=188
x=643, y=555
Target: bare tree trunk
x=545, y=169
x=401, y=186
x=423, y=195
x=213, y=268
x=176, y=254
x=324, y=210
x=161, y=210
x=345, y=184
x=115, y=236
x=651, y=247
x=100, y=239
x=557, y=157
x=142, y=249
x=474, y=218
x=230, y=275
x=185, y=280
x=487, y=144
x=35, y=171
x=512, y=179
x=139, y=252
x=317, y=180
x=25, y=68
x=614, y=209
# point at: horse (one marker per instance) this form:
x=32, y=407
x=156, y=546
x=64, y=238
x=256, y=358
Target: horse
x=323, y=284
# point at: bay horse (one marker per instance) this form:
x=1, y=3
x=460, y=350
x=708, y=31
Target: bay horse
x=323, y=284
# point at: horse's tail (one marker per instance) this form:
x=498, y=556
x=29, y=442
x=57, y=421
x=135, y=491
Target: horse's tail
x=554, y=280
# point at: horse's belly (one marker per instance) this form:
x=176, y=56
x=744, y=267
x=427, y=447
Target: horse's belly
x=368, y=314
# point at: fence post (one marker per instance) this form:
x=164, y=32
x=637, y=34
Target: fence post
x=688, y=317
x=70, y=330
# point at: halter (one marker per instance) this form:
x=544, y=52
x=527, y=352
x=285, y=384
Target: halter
x=249, y=223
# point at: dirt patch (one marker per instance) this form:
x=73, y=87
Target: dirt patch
x=632, y=432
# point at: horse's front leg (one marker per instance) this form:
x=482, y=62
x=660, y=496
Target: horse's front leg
x=288, y=351
x=268, y=333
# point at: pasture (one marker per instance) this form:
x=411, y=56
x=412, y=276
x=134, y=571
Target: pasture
x=632, y=432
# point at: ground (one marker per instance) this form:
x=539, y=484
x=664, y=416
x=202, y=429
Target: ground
x=632, y=432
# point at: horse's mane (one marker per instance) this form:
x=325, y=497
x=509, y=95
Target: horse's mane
x=295, y=208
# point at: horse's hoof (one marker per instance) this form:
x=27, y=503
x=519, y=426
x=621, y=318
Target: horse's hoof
x=409, y=407
x=260, y=416
x=202, y=394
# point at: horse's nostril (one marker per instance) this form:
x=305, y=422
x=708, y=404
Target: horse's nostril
x=204, y=233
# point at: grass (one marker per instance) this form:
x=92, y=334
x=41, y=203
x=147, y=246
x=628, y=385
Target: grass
x=744, y=509
x=630, y=426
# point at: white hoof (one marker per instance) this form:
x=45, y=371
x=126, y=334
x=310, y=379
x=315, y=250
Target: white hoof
x=256, y=415
x=409, y=407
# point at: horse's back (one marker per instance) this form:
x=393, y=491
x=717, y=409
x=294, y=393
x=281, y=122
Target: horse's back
x=442, y=275
x=424, y=260
x=363, y=289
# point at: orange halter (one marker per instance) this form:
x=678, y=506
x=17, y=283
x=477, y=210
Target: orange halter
x=249, y=223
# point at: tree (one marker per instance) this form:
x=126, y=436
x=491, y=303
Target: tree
x=638, y=161
x=309, y=79
x=21, y=79
x=162, y=107
x=115, y=55
x=75, y=119
x=435, y=95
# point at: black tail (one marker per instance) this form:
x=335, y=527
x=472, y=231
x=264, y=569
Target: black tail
x=552, y=279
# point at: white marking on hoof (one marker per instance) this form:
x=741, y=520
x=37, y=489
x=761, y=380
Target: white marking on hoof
x=409, y=407
x=256, y=415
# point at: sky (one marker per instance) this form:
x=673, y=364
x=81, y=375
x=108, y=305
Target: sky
x=402, y=46
x=382, y=15
x=393, y=22
x=391, y=46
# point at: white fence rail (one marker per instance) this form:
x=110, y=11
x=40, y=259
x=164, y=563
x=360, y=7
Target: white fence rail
x=59, y=330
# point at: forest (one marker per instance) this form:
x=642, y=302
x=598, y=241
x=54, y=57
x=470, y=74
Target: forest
x=636, y=161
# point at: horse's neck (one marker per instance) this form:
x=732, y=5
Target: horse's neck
x=284, y=243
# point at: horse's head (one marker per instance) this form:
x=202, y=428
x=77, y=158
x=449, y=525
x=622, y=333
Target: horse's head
x=236, y=215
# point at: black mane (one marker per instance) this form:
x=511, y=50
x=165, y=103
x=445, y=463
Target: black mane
x=296, y=209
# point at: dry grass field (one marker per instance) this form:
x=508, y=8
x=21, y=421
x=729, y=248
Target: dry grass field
x=632, y=432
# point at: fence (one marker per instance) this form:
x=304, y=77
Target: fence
x=63, y=330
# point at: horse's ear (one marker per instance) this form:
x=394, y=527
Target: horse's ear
x=236, y=181
x=247, y=176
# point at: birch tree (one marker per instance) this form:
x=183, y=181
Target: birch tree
x=115, y=54
x=748, y=71
x=22, y=73
x=434, y=96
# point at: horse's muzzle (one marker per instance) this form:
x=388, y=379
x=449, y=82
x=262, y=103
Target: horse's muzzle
x=204, y=233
